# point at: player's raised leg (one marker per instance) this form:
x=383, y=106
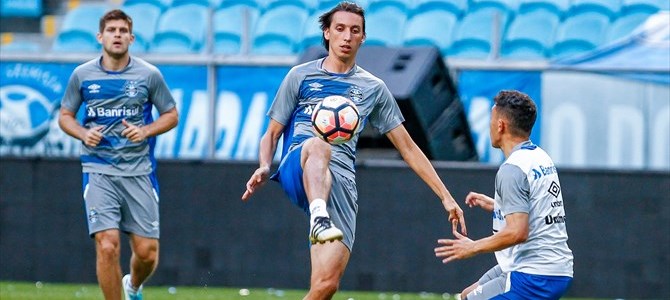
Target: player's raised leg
x=328, y=263
x=108, y=269
x=315, y=157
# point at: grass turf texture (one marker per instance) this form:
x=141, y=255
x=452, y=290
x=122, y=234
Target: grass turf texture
x=60, y=291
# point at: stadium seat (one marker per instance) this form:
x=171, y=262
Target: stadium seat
x=579, y=34
x=258, y=5
x=231, y=26
x=204, y=3
x=21, y=47
x=456, y=7
x=145, y=19
x=376, y=5
x=474, y=35
x=79, y=29
x=162, y=4
x=309, y=5
x=434, y=27
x=276, y=32
x=312, y=34
x=181, y=29
x=385, y=27
x=328, y=4
x=643, y=6
x=609, y=8
x=557, y=7
x=504, y=5
x=530, y=36
x=625, y=25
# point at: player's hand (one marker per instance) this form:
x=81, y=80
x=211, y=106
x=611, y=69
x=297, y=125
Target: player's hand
x=456, y=217
x=453, y=249
x=93, y=136
x=133, y=132
x=476, y=199
x=257, y=179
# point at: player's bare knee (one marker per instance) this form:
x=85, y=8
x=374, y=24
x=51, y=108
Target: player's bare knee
x=318, y=147
x=108, y=248
x=147, y=253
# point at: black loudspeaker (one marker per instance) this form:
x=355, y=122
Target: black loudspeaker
x=419, y=80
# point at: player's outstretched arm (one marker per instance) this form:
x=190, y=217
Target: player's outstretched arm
x=418, y=161
x=268, y=146
x=476, y=199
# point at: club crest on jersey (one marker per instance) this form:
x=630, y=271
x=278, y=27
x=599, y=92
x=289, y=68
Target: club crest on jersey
x=131, y=88
x=355, y=94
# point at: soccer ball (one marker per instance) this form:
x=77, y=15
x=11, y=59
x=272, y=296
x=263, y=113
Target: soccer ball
x=335, y=119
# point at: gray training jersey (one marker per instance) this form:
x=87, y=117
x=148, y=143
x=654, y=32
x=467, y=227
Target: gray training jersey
x=527, y=182
x=110, y=97
x=307, y=84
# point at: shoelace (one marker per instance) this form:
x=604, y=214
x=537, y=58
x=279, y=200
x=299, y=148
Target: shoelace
x=320, y=224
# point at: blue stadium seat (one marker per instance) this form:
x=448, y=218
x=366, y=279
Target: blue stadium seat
x=79, y=29
x=385, y=27
x=278, y=31
x=309, y=5
x=230, y=24
x=162, y=4
x=643, y=6
x=205, y=3
x=557, y=7
x=376, y=5
x=504, y=5
x=249, y=3
x=456, y=7
x=181, y=29
x=434, y=27
x=580, y=33
x=312, y=34
x=474, y=35
x=530, y=36
x=328, y=4
x=21, y=47
x=145, y=19
x=625, y=25
x=609, y=8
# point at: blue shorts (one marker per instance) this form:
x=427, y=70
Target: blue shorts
x=530, y=286
x=341, y=204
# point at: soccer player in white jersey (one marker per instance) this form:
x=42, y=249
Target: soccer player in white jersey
x=118, y=137
x=529, y=231
x=319, y=177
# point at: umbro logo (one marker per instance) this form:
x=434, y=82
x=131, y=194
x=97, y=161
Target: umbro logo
x=94, y=88
x=315, y=86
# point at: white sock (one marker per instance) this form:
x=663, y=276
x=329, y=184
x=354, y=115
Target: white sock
x=317, y=209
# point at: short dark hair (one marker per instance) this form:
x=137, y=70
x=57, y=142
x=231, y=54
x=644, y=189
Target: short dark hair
x=116, y=14
x=519, y=109
x=327, y=18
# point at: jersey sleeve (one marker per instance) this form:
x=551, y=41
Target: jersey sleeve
x=514, y=189
x=160, y=94
x=286, y=98
x=386, y=114
x=72, y=98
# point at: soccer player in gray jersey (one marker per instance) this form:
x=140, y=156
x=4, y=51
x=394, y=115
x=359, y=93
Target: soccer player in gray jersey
x=118, y=136
x=530, y=239
x=319, y=177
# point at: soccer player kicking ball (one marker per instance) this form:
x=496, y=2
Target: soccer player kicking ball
x=118, y=134
x=529, y=234
x=320, y=177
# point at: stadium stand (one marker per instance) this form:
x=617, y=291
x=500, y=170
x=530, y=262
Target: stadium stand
x=376, y=5
x=276, y=33
x=181, y=29
x=232, y=26
x=145, y=19
x=308, y=5
x=385, y=26
x=456, y=7
x=420, y=29
x=162, y=4
x=478, y=32
x=503, y=5
x=626, y=24
x=530, y=35
x=609, y=8
x=580, y=33
x=204, y=3
x=645, y=6
x=557, y=7
x=79, y=29
x=311, y=32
